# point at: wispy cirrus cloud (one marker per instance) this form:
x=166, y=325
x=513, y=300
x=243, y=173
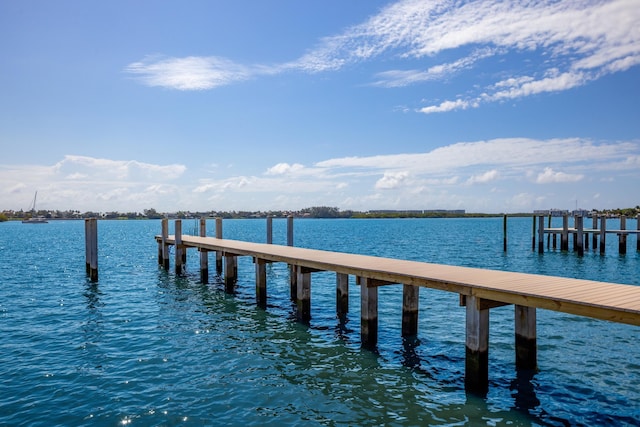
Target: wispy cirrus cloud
x=189, y=73
x=572, y=43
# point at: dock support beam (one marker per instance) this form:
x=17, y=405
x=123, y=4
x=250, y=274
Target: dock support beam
x=504, y=233
x=165, y=246
x=91, y=248
x=541, y=234
x=303, y=299
x=579, y=222
x=564, y=239
x=219, y=253
x=368, y=312
x=603, y=233
x=230, y=272
x=204, y=254
x=180, y=250
x=622, y=237
x=526, y=341
x=261, y=282
x=410, y=298
x=476, y=378
x=594, y=237
x=638, y=234
x=269, y=229
x=342, y=294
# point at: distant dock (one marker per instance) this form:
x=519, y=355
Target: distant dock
x=579, y=233
x=479, y=290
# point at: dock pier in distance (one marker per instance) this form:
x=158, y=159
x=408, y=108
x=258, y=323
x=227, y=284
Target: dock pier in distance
x=580, y=234
x=479, y=291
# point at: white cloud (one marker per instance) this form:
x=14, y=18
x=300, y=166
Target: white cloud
x=391, y=180
x=284, y=168
x=189, y=73
x=515, y=152
x=549, y=176
x=576, y=42
x=483, y=178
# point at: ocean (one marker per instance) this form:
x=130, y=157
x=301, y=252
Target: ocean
x=142, y=346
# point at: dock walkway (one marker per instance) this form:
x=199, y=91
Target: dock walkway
x=479, y=290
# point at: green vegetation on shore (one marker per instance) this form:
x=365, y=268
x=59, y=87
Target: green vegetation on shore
x=312, y=212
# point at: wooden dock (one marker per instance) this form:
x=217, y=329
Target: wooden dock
x=479, y=290
x=581, y=234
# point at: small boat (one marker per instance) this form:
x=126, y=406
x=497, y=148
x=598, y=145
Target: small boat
x=34, y=219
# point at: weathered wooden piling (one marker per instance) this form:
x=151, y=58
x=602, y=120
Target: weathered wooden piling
x=564, y=237
x=342, y=294
x=541, y=234
x=410, y=299
x=579, y=245
x=525, y=337
x=594, y=237
x=638, y=234
x=533, y=233
x=230, y=272
x=622, y=237
x=163, y=244
x=204, y=254
x=504, y=233
x=303, y=294
x=603, y=234
x=269, y=230
x=180, y=250
x=368, y=312
x=261, y=282
x=219, y=253
x=293, y=272
x=91, y=248
x=476, y=377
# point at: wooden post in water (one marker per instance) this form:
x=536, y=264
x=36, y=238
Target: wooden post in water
x=180, y=250
x=410, y=299
x=541, y=234
x=293, y=270
x=526, y=346
x=575, y=234
x=342, y=294
x=303, y=297
x=504, y=233
x=549, y=236
x=476, y=378
x=638, y=234
x=603, y=233
x=594, y=237
x=533, y=233
x=564, y=239
x=269, y=229
x=261, y=282
x=204, y=254
x=87, y=246
x=91, y=249
x=218, y=253
x=230, y=272
x=622, y=237
x=368, y=312
x=579, y=234
x=165, y=246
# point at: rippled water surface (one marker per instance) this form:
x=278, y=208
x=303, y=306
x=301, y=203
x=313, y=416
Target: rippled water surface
x=145, y=347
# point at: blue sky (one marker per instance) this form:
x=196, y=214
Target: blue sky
x=486, y=106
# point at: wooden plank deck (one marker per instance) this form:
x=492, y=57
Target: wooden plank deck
x=607, y=301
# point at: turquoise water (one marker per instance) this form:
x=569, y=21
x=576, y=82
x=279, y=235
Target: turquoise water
x=144, y=347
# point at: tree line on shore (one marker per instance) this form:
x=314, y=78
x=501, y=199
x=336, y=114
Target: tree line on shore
x=311, y=212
